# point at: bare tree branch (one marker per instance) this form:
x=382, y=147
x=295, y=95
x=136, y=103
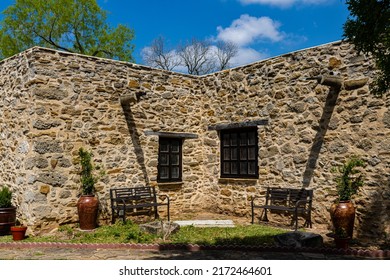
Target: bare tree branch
x=196, y=57
x=157, y=55
x=225, y=52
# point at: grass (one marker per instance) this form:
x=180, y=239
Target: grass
x=130, y=233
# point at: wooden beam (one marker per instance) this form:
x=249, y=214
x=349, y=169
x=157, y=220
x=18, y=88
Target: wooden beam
x=238, y=125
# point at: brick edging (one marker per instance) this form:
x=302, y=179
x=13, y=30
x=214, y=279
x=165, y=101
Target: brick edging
x=366, y=253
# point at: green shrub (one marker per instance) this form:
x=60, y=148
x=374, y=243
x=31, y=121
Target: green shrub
x=349, y=179
x=5, y=197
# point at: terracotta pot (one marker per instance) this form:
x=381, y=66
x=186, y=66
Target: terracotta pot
x=343, y=218
x=18, y=232
x=7, y=219
x=87, y=207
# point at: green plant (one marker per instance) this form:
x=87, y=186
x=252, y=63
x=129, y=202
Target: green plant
x=349, y=180
x=5, y=197
x=88, y=178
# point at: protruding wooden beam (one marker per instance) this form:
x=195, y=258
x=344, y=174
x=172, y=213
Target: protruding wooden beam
x=328, y=80
x=354, y=84
x=128, y=98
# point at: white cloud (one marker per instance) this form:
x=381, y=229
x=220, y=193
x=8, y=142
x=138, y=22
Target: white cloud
x=282, y=3
x=248, y=29
x=245, y=56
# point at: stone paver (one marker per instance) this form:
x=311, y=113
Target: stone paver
x=90, y=253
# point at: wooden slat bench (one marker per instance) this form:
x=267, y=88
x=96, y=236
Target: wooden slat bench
x=292, y=200
x=130, y=200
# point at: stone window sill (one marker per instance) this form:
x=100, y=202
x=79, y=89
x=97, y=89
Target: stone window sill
x=237, y=181
x=170, y=184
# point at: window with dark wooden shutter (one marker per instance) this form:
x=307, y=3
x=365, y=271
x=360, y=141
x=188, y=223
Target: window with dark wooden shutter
x=169, y=160
x=239, y=153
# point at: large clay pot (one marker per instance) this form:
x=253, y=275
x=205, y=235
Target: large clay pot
x=343, y=218
x=7, y=219
x=87, y=207
x=342, y=243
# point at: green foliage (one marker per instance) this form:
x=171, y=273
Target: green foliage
x=239, y=235
x=88, y=178
x=368, y=28
x=349, y=180
x=5, y=197
x=129, y=232
x=71, y=25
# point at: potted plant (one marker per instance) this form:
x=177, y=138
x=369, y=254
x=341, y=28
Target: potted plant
x=7, y=211
x=88, y=204
x=348, y=182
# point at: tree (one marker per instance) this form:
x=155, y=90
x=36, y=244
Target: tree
x=225, y=52
x=71, y=25
x=368, y=28
x=158, y=56
x=195, y=55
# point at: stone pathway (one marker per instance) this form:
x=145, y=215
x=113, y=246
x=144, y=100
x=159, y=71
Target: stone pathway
x=62, y=251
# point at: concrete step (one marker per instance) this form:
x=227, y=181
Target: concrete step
x=206, y=223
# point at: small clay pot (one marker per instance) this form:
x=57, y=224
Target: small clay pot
x=18, y=232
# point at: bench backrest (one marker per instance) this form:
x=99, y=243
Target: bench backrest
x=136, y=194
x=288, y=196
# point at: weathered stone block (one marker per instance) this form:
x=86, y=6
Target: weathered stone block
x=44, y=189
x=50, y=93
x=39, y=162
x=52, y=178
x=386, y=119
x=43, y=147
x=42, y=125
x=160, y=228
x=299, y=239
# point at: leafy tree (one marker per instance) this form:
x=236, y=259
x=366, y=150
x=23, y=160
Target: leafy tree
x=71, y=25
x=368, y=28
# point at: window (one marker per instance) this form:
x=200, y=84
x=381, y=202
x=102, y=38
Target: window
x=169, y=160
x=239, y=153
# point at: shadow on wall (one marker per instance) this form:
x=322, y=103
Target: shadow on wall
x=135, y=137
x=318, y=141
x=377, y=230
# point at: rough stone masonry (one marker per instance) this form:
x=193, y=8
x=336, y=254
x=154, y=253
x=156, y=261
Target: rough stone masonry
x=52, y=103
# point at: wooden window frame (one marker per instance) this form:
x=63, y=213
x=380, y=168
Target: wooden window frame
x=167, y=163
x=235, y=155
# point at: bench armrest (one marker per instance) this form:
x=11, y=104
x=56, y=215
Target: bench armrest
x=164, y=196
x=302, y=201
x=256, y=197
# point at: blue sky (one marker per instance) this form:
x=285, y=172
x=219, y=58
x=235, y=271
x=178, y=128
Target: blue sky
x=261, y=28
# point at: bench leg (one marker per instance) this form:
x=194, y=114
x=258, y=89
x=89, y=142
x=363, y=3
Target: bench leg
x=295, y=218
x=308, y=222
x=253, y=212
x=265, y=217
x=156, y=216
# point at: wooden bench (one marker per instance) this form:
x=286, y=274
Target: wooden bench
x=136, y=199
x=292, y=200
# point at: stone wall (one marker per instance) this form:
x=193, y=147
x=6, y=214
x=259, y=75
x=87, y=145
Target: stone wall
x=52, y=103
x=311, y=128
x=69, y=101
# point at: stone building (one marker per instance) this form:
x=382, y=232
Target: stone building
x=299, y=114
